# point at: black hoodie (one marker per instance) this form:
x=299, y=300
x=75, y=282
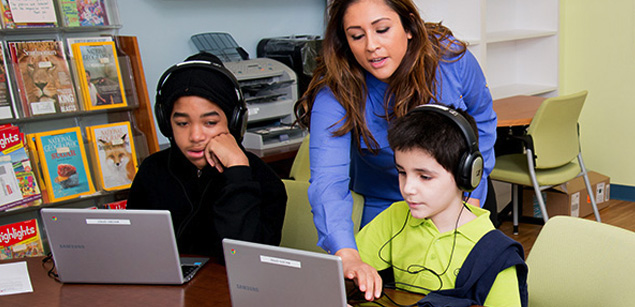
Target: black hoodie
x=244, y=202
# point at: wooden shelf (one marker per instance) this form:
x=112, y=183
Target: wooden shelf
x=144, y=114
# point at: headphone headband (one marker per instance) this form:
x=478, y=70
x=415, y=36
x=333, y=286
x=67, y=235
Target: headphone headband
x=470, y=168
x=458, y=119
x=200, y=64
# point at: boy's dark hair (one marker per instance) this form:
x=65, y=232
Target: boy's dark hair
x=434, y=133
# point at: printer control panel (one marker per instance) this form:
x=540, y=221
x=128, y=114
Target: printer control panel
x=255, y=68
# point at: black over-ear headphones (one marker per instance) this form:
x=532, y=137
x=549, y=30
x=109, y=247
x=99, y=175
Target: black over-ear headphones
x=236, y=122
x=470, y=168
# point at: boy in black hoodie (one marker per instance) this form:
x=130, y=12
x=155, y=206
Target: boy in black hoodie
x=213, y=188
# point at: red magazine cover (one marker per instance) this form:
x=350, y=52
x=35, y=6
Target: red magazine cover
x=21, y=239
x=117, y=205
x=18, y=184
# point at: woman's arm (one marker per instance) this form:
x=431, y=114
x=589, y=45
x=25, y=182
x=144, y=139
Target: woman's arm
x=329, y=192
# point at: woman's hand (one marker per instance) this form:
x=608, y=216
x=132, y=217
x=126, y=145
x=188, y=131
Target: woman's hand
x=223, y=151
x=364, y=275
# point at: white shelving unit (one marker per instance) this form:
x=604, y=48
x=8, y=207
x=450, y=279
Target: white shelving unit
x=515, y=41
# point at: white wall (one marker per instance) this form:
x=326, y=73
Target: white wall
x=163, y=27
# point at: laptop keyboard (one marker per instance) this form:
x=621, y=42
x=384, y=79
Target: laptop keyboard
x=189, y=271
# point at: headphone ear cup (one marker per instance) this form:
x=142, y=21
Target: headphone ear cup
x=470, y=171
x=234, y=121
x=238, y=125
x=163, y=120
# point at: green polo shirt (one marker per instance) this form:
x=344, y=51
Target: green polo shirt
x=420, y=245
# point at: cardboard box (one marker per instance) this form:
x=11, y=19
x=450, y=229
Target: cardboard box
x=570, y=198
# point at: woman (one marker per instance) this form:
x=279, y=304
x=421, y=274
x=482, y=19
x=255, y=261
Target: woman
x=377, y=56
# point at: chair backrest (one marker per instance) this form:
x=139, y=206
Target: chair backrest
x=301, y=169
x=298, y=230
x=578, y=262
x=554, y=130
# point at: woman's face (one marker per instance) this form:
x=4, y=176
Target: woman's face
x=376, y=37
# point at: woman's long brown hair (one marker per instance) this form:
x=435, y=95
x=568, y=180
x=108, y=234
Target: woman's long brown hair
x=413, y=83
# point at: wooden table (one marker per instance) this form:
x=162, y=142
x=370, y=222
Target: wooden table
x=400, y=297
x=514, y=115
x=208, y=288
x=516, y=110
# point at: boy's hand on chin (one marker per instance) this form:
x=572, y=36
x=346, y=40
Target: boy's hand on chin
x=223, y=151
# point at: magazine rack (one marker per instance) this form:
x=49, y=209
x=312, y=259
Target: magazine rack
x=138, y=110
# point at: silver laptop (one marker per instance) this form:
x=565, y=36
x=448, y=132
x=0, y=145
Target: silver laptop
x=116, y=246
x=264, y=275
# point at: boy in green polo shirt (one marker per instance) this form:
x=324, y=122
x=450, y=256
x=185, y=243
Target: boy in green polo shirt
x=426, y=239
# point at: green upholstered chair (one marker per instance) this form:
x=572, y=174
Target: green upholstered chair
x=552, y=153
x=298, y=230
x=301, y=167
x=578, y=262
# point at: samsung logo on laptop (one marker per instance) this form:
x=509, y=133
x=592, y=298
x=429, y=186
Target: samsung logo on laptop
x=248, y=288
x=72, y=246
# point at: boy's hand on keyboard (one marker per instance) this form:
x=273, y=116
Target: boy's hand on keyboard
x=364, y=275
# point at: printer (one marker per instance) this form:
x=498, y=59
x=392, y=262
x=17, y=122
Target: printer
x=270, y=89
x=300, y=52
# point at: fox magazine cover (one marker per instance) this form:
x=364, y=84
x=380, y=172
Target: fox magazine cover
x=114, y=153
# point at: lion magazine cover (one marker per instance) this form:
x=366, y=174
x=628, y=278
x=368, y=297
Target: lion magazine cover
x=43, y=78
x=64, y=164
